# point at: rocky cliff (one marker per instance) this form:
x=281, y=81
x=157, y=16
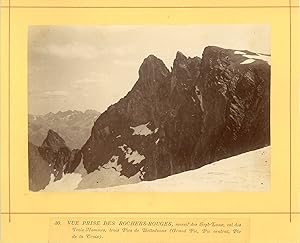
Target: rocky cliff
x=50, y=161
x=39, y=169
x=171, y=121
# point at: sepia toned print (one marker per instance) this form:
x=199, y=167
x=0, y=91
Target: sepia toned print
x=149, y=108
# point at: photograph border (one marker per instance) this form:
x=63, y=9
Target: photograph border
x=10, y=36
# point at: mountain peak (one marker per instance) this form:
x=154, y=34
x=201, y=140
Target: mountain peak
x=52, y=132
x=153, y=61
x=185, y=68
x=53, y=141
x=180, y=56
x=91, y=111
x=213, y=48
x=153, y=68
x=180, y=60
x=151, y=57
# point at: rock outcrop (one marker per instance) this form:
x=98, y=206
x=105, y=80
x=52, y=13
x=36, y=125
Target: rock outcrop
x=50, y=161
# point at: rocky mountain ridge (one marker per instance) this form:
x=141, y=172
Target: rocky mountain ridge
x=202, y=110
x=74, y=126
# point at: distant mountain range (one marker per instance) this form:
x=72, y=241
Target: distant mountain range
x=74, y=126
x=202, y=110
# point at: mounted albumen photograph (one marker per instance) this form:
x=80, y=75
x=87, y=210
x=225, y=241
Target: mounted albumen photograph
x=149, y=108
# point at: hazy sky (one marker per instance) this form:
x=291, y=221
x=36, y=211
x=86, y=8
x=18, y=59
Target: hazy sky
x=91, y=67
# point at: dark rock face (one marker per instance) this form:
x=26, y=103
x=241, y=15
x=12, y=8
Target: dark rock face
x=52, y=157
x=236, y=101
x=203, y=110
x=146, y=102
x=39, y=170
x=53, y=142
x=55, y=151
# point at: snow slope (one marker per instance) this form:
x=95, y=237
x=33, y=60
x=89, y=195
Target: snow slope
x=251, y=58
x=245, y=172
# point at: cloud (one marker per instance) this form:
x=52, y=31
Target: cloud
x=123, y=51
x=54, y=94
x=85, y=81
x=125, y=63
x=69, y=50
